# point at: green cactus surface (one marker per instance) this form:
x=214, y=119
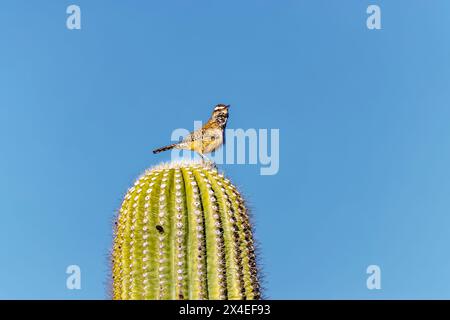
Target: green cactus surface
x=183, y=232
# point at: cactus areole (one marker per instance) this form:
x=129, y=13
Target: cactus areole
x=183, y=232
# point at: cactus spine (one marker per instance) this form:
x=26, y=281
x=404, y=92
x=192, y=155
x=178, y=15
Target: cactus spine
x=183, y=232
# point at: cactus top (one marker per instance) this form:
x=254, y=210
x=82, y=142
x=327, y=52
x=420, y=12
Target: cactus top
x=183, y=232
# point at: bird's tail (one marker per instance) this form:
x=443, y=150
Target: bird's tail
x=165, y=148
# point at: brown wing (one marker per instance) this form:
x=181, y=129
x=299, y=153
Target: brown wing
x=194, y=136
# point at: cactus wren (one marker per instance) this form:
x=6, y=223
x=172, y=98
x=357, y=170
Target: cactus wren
x=206, y=139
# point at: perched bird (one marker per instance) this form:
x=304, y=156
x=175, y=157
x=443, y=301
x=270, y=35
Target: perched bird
x=206, y=139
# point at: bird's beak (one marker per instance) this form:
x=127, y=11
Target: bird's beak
x=228, y=105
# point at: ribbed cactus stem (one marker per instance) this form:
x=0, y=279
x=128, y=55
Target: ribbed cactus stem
x=183, y=232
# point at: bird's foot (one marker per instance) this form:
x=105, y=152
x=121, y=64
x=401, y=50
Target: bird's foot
x=208, y=161
x=212, y=164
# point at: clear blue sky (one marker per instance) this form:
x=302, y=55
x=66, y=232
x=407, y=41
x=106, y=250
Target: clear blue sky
x=364, y=127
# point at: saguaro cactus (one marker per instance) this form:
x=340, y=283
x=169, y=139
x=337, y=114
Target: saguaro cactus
x=183, y=232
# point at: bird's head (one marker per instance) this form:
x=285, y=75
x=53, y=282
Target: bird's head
x=220, y=114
